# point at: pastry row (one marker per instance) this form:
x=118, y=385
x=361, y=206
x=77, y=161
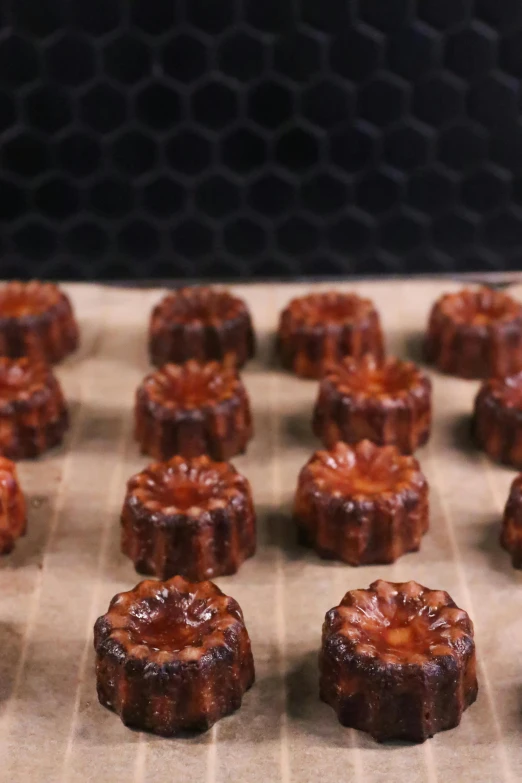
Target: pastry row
x=472, y=333
x=362, y=504
x=193, y=408
x=397, y=660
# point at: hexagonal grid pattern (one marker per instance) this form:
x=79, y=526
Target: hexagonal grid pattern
x=243, y=138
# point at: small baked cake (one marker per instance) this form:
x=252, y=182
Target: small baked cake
x=511, y=534
x=33, y=412
x=398, y=661
x=386, y=402
x=13, y=518
x=318, y=329
x=361, y=504
x=201, y=323
x=172, y=656
x=36, y=320
x=475, y=333
x=192, y=409
x=192, y=517
x=497, y=419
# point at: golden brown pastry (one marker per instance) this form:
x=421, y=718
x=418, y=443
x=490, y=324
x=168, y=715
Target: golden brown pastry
x=33, y=412
x=172, y=656
x=193, y=517
x=36, y=320
x=192, y=409
x=398, y=661
x=386, y=402
x=475, y=333
x=497, y=419
x=361, y=504
x=318, y=329
x=203, y=324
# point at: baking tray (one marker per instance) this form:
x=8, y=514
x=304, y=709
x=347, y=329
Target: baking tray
x=62, y=575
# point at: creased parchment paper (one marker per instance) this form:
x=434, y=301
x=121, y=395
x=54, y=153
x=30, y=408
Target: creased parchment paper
x=62, y=575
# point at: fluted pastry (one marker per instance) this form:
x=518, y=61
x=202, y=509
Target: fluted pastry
x=193, y=517
x=398, y=661
x=361, y=504
x=317, y=329
x=172, y=656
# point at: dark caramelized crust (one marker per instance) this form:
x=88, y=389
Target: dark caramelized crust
x=37, y=321
x=398, y=661
x=13, y=518
x=386, y=402
x=191, y=517
x=497, y=419
x=322, y=328
x=511, y=534
x=33, y=413
x=193, y=409
x=172, y=656
x=361, y=504
x=475, y=334
x=203, y=324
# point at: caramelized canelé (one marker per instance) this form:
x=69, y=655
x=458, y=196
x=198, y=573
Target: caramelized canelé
x=172, y=656
x=386, y=402
x=398, y=661
x=201, y=323
x=497, y=419
x=193, y=409
x=193, y=517
x=33, y=412
x=361, y=504
x=37, y=321
x=475, y=333
x=318, y=329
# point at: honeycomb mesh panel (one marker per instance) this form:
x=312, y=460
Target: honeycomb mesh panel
x=250, y=139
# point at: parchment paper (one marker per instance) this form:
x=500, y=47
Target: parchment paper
x=62, y=575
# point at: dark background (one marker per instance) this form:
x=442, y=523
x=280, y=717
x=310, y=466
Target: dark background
x=259, y=138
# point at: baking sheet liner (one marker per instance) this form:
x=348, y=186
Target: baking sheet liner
x=62, y=575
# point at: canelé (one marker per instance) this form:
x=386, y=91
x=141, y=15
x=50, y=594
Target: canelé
x=172, y=656
x=201, y=323
x=37, y=321
x=33, y=411
x=317, y=329
x=192, y=409
x=193, y=517
x=361, y=504
x=398, y=661
x=475, y=333
x=386, y=402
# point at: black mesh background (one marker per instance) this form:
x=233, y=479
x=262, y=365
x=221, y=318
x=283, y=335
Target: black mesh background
x=243, y=138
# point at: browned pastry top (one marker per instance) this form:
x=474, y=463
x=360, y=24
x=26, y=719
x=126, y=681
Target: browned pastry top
x=21, y=379
x=361, y=471
x=24, y=300
x=401, y=622
x=191, y=385
x=479, y=307
x=175, y=620
x=506, y=391
x=367, y=378
x=187, y=485
x=199, y=305
x=326, y=308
